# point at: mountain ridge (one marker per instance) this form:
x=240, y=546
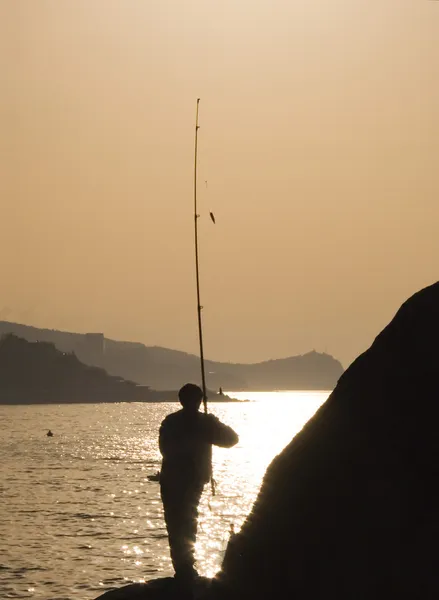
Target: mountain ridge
x=164, y=368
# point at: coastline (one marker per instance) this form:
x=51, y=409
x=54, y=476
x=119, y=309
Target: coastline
x=148, y=396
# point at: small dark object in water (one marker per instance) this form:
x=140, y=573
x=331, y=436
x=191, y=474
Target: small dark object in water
x=155, y=477
x=49, y=434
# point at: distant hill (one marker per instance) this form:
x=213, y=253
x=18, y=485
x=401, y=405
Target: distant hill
x=165, y=369
x=38, y=373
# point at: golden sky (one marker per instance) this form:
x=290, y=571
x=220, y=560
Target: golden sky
x=319, y=141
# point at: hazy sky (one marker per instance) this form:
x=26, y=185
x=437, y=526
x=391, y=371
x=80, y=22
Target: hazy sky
x=319, y=140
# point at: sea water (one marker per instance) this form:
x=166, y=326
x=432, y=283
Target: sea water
x=78, y=514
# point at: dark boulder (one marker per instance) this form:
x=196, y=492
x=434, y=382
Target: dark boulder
x=165, y=588
x=350, y=508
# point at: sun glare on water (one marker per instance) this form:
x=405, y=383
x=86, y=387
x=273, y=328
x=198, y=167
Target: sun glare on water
x=265, y=426
x=85, y=500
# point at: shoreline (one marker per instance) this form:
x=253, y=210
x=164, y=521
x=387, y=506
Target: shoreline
x=160, y=398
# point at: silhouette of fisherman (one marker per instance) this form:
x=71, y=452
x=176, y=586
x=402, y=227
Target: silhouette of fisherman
x=185, y=441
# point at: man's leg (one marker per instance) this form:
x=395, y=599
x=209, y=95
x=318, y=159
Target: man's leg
x=190, y=526
x=181, y=513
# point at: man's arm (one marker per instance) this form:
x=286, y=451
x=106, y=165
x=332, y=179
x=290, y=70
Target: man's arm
x=168, y=440
x=162, y=438
x=221, y=434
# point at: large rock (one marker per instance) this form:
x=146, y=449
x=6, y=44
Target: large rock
x=165, y=588
x=350, y=508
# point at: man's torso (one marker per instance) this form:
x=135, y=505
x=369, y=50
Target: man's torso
x=185, y=443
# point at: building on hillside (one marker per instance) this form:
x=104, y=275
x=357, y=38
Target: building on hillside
x=94, y=346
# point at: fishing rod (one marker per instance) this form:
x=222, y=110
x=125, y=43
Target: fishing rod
x=197, y=274
x=197, y=266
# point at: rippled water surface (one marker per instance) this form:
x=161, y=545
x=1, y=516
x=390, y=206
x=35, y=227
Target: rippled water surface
x=77, y=512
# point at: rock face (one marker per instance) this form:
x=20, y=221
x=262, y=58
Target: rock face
x=165, y=588
x=350, y=508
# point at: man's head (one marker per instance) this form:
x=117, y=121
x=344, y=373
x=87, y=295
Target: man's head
x=190, y=397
